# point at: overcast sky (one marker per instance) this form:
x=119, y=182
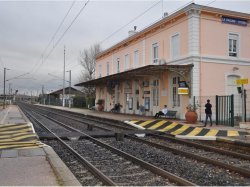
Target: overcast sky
x=27, y=27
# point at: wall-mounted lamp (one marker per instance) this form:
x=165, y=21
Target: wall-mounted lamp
x=235, y=68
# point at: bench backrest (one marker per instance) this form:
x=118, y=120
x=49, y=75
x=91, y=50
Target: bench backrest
x=171, y=113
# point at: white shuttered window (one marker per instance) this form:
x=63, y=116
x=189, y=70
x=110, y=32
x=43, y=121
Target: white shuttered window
x=175, y=45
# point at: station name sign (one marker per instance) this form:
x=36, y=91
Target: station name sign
x=234, y=21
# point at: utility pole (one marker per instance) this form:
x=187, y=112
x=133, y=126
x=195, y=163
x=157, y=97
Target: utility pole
x=69, y=88
x=4, y=79
x=43, y=99
x=63, y=78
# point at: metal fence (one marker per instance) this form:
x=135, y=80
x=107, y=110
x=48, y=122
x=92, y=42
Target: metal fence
x=200, y=101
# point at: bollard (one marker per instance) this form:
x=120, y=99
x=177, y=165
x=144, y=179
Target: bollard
x=90, y=127
x=119, y=136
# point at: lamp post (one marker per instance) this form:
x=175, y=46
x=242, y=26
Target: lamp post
x=69, y=88
x=63, y=78
x=4, y=79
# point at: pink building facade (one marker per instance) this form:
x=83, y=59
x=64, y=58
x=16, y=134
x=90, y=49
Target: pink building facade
x=206, y=49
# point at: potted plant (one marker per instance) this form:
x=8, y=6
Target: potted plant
x=100, y=104
x=191, y=115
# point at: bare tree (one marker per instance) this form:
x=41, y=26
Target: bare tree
x=87, y=59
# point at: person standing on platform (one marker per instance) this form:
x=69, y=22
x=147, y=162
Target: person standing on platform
x=164, y=111
x=208, y=111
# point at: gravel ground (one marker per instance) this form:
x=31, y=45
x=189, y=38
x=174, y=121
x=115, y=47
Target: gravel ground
x=121, y=171
x=196, y=172
x=212, y=155
x=82, y=174
x=226, y=146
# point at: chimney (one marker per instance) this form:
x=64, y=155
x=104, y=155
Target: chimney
x=132, y=32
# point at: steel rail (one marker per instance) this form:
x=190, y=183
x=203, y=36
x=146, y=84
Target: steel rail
x=106, y=180
x=189, y=143
x=205, y=147
x=150, y=167
x=173, y=139
x=242, y=171
x=84, y=116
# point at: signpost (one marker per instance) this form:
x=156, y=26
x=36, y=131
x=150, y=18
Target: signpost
x=243, y=94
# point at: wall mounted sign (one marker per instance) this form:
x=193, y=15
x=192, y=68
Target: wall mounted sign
x=182, y=84
x=242, y=81
x=234, y=21
x=146, y=92
x=183, y=91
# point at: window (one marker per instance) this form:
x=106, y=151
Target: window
x=233, y=45
x=176, y=96
x=175, y=46
x=136, y=59
x=107, y=68
x=155, y=52
x=118, y=65
x=126, y=66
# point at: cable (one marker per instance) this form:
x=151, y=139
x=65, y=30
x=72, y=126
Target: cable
x=55, y=45
x=130, y=21
x=67, y=30
x=53, y=37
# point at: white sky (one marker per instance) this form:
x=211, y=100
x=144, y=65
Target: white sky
x=26, y=28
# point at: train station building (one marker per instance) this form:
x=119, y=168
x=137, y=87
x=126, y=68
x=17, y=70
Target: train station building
x=197, y=52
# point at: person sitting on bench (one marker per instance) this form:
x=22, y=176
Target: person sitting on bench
x=164, y=111
x=116, y=108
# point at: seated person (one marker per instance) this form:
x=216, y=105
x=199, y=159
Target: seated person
x=164, y=111
x=116, y=108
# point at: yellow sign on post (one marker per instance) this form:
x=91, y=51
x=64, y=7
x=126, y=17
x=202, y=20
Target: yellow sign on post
x=242, y=81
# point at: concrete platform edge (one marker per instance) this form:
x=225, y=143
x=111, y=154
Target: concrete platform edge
x=23, y=115
x=63, y=173
x=232, y=141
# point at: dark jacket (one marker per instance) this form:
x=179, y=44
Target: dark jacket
x=208, y=108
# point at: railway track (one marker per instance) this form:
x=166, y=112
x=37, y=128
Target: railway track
x=120, y=170
x=206, y=154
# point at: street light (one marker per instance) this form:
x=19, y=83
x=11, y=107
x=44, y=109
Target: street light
x=69, y=87
x=4, y=87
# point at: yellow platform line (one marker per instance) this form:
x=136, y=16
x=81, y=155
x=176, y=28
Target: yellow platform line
x=16, y=146
x=31, y=147
x=133, y=122
x=9, y=133
x=14, y=127
x=232, y=133
x=146, y=123
x=168, y=127
x=212, y=132
x=194, y=132
x=14, y=135
x=29, y=129
x=18, y=138
x=15, y=142
x=180, y=130
x=157, y=124
x=25, y=136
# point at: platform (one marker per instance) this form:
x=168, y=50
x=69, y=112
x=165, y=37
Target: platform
x=24, y=160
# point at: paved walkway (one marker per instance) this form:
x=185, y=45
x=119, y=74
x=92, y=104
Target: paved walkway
x=24, y=160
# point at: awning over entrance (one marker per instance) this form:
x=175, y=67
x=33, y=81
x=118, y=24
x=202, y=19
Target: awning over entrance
x=149, y=70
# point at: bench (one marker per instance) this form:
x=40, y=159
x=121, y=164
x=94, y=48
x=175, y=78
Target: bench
x=170, y=114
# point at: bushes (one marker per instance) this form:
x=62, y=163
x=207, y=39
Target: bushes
x=83, y=102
